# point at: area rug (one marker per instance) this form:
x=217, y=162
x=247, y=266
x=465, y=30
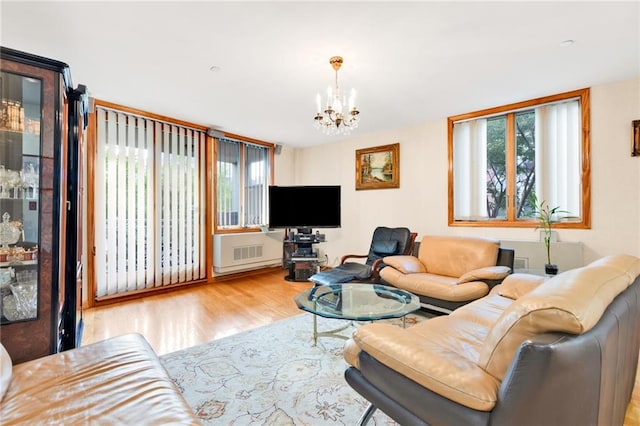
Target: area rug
x=272, y=375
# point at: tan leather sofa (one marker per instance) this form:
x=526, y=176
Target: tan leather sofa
x=116, y=381
x=562, y=351
x=449, y=272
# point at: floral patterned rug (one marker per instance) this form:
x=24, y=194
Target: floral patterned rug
x=272, y=375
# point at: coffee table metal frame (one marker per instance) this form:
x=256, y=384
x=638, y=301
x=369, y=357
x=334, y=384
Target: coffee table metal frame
x=355, y=302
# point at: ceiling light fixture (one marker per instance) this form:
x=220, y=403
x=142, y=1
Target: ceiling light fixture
x=333, y=121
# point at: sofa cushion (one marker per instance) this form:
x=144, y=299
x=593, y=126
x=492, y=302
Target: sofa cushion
x=116, y=381
x=571, y=302
x=483, y=311
x=405, y=264
x=516, y=285
x=6, y=367
x=436, y=286
x=442, y=359
x=454, y=256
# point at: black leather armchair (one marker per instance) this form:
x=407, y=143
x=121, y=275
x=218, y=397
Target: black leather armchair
x=385, y=242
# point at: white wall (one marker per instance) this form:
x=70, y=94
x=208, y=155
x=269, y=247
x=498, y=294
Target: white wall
x=421, y=201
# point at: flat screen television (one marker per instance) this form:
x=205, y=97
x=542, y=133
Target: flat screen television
x=304, y=207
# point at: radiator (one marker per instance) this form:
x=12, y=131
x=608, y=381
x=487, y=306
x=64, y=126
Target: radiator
x=532, y=254
x=246, y=251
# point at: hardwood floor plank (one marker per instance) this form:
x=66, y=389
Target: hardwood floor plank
x=196, y=315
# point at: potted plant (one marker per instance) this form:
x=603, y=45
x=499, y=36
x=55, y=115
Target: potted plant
x=545, y=217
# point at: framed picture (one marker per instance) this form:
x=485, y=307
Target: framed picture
x=378, y=167
x=635, y=138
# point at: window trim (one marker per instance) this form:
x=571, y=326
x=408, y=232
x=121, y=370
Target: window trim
x=214, y=172
x=585, y=168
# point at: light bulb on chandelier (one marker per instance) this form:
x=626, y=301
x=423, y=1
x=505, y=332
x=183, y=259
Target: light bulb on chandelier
x=338, y=117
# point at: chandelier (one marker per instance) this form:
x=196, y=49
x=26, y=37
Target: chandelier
x=338, y=117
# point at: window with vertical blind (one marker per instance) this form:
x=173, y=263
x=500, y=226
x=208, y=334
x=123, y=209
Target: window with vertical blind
x=149, y=203
x=505, y=160
x=242, y=182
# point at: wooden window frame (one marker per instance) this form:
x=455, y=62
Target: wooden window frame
x=509, y=111
x=214, y=173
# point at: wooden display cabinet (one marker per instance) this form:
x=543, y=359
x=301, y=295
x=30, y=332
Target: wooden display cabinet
x=38, y=124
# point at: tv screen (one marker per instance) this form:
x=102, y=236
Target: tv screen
x=304, y=206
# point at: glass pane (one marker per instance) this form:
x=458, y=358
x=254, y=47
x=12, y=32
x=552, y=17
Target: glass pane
x=228, y=183
x=525, y=164
x=20, y=120
x=255, y=191
x=496, y=168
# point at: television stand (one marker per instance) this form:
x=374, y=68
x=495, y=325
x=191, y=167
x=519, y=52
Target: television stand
x=302, y=267
x=304, y=260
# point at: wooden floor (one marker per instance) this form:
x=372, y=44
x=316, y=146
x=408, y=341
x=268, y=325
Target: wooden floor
x=178, y=320
x=189, y=317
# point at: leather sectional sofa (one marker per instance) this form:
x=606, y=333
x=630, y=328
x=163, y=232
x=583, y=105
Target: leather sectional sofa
x=535, y=351
x=117, y=381
x=449, y=272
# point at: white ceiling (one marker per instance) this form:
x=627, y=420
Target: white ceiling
x=410, y=62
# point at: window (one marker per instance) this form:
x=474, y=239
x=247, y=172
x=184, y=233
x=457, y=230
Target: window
x=503, y=159
x=149, y=203
x=243, y=174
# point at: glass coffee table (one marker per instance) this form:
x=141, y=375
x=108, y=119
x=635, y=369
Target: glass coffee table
x=355, y=302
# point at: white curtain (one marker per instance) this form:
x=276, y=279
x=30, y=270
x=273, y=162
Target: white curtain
x=558, y=156
x=149, y=203
x=470, y=169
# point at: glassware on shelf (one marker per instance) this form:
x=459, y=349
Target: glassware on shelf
x=26, y=299
x=12, y=116
x=7, y=275
x=14, y=182
x=4, y=190
x=30, y=181
x=23, y=184
x=10, y=232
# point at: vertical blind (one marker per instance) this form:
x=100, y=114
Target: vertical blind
x=470, y=169
x=558, y=155
x=149, y=203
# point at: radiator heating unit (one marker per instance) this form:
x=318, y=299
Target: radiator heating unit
x=240, y=252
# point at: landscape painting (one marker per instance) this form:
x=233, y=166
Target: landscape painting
x=378, y=167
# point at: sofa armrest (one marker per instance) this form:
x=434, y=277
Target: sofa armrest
x=430, y=364
x=491, y=273
x=405, y=264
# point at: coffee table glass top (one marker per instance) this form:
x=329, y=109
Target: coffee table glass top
x=359, y=302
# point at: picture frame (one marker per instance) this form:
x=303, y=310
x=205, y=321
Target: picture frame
x=635, y=138
x=378, y=167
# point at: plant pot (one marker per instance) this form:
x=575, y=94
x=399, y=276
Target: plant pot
x=550, y=269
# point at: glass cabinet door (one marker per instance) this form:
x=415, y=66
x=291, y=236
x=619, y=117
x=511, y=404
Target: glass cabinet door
x=20, y=151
